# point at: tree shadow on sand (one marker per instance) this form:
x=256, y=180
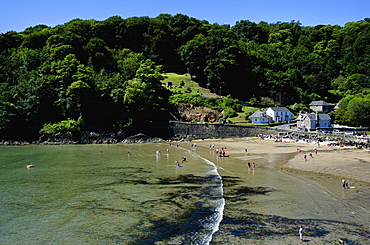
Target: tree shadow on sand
x=251, y=228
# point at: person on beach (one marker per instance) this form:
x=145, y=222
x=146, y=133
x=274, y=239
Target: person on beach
x=246, y=150
x=311, y=155
x=253, y=166
x=177, y=163
x=249, y=165
x=305, y=157
x=128, y=153
x=301, y=233
x=344, y=183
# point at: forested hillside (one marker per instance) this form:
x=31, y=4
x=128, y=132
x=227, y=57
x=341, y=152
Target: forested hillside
x=106, y=75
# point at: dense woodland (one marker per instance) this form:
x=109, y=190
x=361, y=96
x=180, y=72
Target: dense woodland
x=106, y=75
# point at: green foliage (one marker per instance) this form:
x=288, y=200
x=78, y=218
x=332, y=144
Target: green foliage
x=343, y=103
x=267, y=102
x=253, y=101
x=195, y=99
x=237, y=107
x=358, y=112
x=113, y=70
x=299, y=108
x=228, y=101
x=229, y=112
x=63, y=127
x=353, y=110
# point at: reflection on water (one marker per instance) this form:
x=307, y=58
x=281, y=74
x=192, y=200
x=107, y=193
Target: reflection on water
x=100, y=194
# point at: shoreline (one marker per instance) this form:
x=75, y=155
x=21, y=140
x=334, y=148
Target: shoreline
x=331, y=160
x=266, y=205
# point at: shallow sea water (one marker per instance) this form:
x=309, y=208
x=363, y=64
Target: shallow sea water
x=100, y=194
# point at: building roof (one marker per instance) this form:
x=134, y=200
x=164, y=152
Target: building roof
x=259, y=114
x=279, y=108
x=322, y=117
x=318, y=103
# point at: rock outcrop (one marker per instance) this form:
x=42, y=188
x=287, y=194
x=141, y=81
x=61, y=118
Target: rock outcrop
x=192, y=113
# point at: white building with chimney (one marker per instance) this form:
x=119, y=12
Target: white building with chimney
x=311, y=121
x=280, y=114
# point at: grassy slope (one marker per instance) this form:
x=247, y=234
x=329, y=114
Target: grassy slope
x=189, y=85
x=193, y=87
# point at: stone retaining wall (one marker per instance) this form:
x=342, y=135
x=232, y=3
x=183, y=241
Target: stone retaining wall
x=188, y=131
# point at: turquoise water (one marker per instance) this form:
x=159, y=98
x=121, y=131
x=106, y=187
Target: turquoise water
x=100, y=194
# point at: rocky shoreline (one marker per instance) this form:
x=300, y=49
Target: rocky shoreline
x=85, y=138
x=188, y=132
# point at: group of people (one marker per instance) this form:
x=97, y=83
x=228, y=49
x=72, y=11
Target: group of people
x=222, y=152
x=183, y=159
x=305, y=155
x=251, y=165
x=344, y=182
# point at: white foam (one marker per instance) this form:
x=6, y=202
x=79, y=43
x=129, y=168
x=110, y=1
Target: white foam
x=219, y=210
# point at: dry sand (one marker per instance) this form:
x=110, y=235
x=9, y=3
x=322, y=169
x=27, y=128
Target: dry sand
x=288, y=191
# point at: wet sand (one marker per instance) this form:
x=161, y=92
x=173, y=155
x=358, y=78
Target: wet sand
x=268, y=204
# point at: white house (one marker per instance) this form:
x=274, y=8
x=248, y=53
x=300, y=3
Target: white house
x=280, y=114
x=320, y=106
x=260, y=117
x=312, y=121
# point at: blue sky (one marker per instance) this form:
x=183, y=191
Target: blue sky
x=17, y=15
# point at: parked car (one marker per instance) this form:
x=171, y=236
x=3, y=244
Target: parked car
x=361, y=135
x=337, y=131
x=350, y=133
x=326, y=131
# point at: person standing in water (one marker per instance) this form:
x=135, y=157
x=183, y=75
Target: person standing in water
x=301, y=233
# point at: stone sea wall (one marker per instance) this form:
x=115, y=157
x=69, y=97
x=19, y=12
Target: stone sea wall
x=188, y=131
x=208, y=131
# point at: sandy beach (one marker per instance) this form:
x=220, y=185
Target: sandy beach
x=266, y=205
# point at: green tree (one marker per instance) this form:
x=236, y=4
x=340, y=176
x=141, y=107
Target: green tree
x=248, y=31
x=36, y=39
x=99, y=55
x=358, y=112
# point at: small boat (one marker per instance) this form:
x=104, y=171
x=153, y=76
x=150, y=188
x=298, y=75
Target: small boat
x=29, y=166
